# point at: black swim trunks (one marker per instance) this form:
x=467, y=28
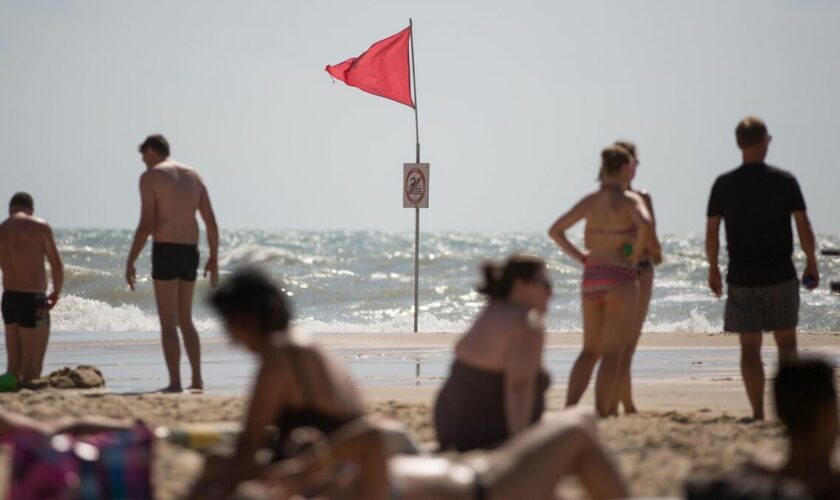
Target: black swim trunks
x=26, y=309
x=174, y=261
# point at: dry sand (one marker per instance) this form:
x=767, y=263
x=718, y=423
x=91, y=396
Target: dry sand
x=687, y=428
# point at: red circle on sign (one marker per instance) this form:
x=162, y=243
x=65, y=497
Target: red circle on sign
x=415, y=186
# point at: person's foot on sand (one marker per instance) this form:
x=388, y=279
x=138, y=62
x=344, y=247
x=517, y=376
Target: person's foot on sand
x=197, y=385
x=171, y=389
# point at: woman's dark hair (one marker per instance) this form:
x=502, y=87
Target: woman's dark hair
x=630, y=147
x=499, y=276
x=803, y=390
x=250, y=298
x=613, y=158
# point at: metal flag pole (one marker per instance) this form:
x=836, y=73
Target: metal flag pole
x=416, y=209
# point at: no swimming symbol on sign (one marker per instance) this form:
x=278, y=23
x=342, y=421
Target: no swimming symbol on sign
x=415, y=185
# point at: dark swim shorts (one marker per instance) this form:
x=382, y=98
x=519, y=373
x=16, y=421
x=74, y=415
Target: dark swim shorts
x=26, y=309
x=174, y=261
x=762, y=308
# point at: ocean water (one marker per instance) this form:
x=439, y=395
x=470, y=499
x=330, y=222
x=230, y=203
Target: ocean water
x=363, y=281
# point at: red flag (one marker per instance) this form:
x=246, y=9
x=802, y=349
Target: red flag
x=381, y=70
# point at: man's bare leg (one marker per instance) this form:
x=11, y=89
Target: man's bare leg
x=191, y=341
x=13, y=350
x=752, y=371
x=786, y=344
x=33, y=347
x=166, y=298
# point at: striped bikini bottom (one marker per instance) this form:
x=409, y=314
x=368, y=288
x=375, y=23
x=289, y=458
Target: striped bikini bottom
x=599, y=277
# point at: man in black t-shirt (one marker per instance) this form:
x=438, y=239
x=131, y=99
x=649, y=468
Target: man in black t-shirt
x=756, y=202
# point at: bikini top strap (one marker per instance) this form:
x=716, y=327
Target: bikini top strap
x=299, y=371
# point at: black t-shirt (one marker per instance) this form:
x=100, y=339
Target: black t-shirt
x=756, y=202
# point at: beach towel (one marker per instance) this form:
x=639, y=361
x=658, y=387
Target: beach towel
x=112, y=464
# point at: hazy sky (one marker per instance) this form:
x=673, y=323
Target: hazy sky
x=516, y=101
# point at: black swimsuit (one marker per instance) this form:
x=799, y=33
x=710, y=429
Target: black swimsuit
x=26, y=309
x=174, y=261
x=290, y=419
x=470, y=408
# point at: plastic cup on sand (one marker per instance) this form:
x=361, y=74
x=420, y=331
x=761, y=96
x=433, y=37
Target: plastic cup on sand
x=8, y=383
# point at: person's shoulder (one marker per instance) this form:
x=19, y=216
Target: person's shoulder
x=780, y=172
x=729, y=174
x=35, y=222
x=186, y=168
x=181, y=167
x=588, y=199
x=295, y=343
x=42, y=223
x=633, y=197
x=151, y=175
x=517, y=320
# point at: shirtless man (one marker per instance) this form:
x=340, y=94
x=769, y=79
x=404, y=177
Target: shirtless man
x=170, y=194
x=24, y=242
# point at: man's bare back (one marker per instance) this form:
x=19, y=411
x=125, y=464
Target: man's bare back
x=24, y=243
x=177, y=191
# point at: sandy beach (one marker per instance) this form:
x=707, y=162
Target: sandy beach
x=688, y=428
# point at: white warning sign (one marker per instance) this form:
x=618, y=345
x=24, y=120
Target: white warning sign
x=415, y=185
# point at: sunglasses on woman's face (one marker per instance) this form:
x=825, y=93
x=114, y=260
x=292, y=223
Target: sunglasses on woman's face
x=544, y=282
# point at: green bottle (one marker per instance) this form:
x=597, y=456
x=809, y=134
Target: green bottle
x=627, y=249
x=8, y=383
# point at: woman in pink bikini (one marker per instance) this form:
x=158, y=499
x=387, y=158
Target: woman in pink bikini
x=617, y=236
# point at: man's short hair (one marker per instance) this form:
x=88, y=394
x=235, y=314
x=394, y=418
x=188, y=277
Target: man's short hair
x=156, y=142
x=803, y=390
x=22, y=200
x=750, y=132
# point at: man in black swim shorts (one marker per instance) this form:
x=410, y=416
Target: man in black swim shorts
x=25, y=241
x=170, y=194
x=756, y=202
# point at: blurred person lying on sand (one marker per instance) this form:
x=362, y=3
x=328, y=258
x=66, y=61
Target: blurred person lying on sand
x=496, y=386
x=25, y=241
x=617, y=237
x=353, y=463
x=806, y=404
x=297, y=384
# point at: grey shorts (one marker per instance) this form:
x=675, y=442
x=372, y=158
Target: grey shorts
x=762, y=308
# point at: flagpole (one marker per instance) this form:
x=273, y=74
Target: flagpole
x=416, y=209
